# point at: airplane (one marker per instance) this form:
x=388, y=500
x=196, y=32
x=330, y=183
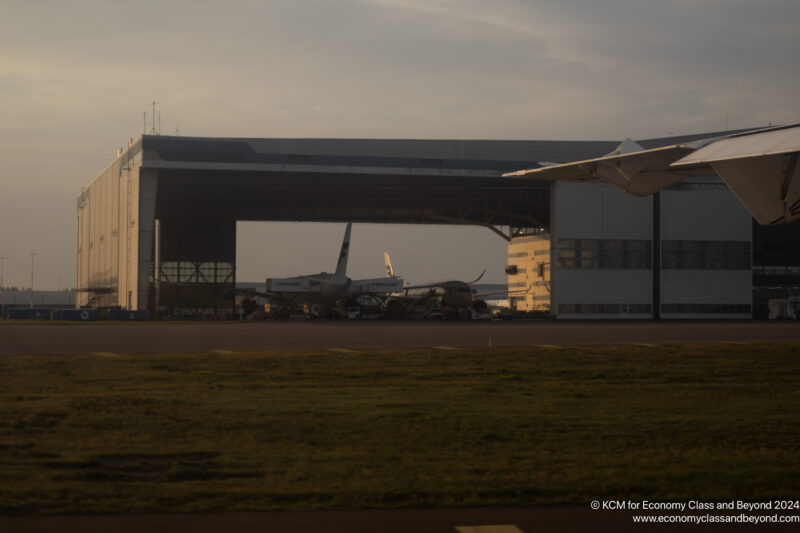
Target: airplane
x=759, y=166
x=325, y=294
x=433, y=300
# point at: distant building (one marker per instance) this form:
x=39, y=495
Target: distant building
x=41, y=299
x=529, y=272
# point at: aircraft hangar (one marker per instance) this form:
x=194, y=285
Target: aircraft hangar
x=158, y=226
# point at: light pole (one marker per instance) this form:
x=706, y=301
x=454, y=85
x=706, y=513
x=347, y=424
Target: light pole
x=1, y=286
x=32, y=256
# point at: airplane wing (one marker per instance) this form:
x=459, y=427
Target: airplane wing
x=639, y=173
x=253, y=292
x=439, y=284
x=761, y=170
x=502, y=293
x=760, y=167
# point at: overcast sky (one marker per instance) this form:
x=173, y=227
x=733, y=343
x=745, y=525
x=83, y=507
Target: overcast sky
x=75, y=78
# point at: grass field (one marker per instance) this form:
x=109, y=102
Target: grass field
x=398, y=429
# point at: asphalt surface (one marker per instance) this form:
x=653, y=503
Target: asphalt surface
x=477, y=520
x=44, y=339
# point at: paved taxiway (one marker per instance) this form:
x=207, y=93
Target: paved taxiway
x=46, y=339
x=472, y=520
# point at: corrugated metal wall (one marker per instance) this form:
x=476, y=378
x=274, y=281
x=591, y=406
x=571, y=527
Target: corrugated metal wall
x=603, y=213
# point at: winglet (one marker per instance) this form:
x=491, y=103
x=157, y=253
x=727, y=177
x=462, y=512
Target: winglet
x=627, y=146
x=341, y=266
x=476, y=280
x=389, y=269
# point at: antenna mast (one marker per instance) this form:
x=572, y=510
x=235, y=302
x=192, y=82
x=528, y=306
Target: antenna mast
x=153, y=130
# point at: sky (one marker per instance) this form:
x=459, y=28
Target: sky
x=76, y=78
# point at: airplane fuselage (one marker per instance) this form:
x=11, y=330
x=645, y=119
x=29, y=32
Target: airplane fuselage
x=318, y=289
x=447, y=294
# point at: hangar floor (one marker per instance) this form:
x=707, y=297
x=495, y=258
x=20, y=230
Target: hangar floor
x=44, y=339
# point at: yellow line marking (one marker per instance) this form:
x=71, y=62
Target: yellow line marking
x=445, y=348
x=342, y=350
x=223, y=352
x=548, y=346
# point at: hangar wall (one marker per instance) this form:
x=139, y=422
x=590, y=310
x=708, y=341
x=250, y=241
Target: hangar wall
x=108, y=235
x=601, y=248
x=683, y=253
x=706, y=258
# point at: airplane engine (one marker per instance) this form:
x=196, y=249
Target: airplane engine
x=248, y=305
x=480, y=311
x=480, y=306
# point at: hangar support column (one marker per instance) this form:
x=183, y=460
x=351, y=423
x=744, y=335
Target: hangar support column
x=197, y=270
x=148, y=185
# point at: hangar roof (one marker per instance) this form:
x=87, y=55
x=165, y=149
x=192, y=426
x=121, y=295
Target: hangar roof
x=359, y=180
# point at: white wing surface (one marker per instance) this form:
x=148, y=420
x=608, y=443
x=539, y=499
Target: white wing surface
x=760, y=167
x=761, y=170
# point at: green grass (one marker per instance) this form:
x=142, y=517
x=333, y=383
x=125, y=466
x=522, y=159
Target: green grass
x=398, y=429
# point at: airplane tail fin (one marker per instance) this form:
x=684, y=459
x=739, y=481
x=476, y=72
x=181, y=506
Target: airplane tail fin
x=341, y=266
x=389, y=269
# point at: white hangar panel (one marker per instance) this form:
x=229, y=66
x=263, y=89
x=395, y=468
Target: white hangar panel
x=706, y=286
x=705, y=253
x=600, y=211
x=605, y=286
x=707, y=212
x=601, y=260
